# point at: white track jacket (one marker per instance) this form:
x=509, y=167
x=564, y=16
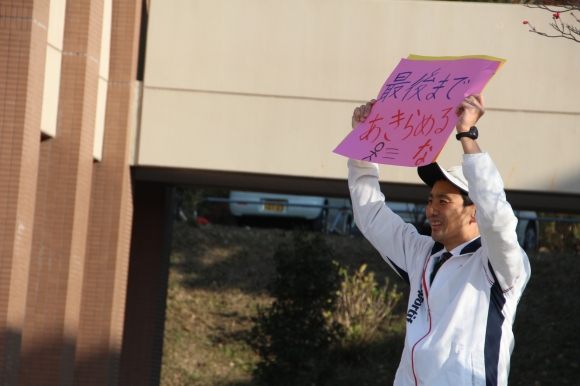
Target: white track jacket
x=459, y=328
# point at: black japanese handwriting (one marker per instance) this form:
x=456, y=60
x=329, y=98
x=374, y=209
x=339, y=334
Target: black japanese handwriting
x=462, y=80
x=378, y=147
x=392, y=88
x=433, y=94
x=418, y=88
x=391, y=151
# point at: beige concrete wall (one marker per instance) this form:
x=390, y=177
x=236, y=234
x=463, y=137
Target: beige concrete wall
x=54, y=52
x=269, y=87
x=103, y=80
x=52, y=67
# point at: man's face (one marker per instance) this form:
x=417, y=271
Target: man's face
x=450, y=220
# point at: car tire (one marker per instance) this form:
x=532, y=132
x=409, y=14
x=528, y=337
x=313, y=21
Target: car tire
x=531, y=238
x=320, y=223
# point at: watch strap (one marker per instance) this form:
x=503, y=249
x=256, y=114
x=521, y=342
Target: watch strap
x=472, y=133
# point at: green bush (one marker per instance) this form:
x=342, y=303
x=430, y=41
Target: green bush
x=362, y=306
x=293, y=337
x=320, y=314
x=559, y=236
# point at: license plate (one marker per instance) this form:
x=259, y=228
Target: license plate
x=273, y=207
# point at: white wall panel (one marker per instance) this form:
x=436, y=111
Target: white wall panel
x=262, y=86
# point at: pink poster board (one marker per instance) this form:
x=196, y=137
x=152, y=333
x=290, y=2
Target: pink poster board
x=415, y=110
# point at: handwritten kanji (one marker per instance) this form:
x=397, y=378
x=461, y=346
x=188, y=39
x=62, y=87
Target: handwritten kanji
x=392, y=88
x=414, y=113
x=420, y=87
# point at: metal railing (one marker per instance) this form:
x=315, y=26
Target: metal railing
x=346, y=208
x=550, y=219
x=304, y=205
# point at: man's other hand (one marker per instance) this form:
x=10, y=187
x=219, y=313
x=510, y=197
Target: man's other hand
x=469, y=111
x=361, y=113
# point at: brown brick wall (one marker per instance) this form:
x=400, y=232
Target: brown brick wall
x=62, y=208
x=23, y=35
x=75, y=306
x=147, y=285
x=107, y=258
x=106, y=266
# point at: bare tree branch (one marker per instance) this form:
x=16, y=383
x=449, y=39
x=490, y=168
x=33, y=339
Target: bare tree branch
x=558, y=9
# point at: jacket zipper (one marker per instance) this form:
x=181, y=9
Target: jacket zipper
x=428, y=318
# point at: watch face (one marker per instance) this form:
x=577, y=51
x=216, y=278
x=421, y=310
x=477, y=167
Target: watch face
x=473, y=134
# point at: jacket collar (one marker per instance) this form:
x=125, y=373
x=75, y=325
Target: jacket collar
x=472, y=246
x=469, y=248
x=436, y=247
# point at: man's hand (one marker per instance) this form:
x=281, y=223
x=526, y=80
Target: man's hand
x=469, y=111
x=361, y=113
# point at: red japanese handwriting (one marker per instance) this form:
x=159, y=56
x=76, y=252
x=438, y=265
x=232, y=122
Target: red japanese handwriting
x=428, y=148
x=374, y=127
x=419, y=124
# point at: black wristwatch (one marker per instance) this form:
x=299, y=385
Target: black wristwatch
x=472, y=133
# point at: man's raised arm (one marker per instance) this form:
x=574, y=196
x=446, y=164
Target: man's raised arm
x=396, y=240
x=494, y=215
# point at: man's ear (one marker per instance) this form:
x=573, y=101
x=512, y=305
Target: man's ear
x=473, y=220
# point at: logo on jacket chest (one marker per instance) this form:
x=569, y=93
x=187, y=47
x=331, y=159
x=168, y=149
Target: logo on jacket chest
x=413, y=311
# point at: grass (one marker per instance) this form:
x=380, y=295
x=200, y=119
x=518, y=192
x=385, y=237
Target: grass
x=220, y=274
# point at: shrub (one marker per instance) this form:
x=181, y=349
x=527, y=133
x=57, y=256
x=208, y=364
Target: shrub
x=362, y=306
x=293, y=337
x=560, y=236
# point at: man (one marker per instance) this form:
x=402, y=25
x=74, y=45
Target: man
x=466, y=279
